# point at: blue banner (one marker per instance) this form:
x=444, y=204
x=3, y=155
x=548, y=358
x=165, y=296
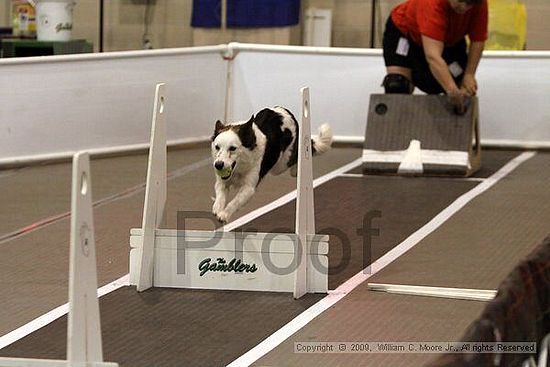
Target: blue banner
x=246, y=13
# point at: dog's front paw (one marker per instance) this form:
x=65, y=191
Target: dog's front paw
x=217, y=207
x=222, y=216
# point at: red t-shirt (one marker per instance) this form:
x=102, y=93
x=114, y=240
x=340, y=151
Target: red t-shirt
x=437, y=19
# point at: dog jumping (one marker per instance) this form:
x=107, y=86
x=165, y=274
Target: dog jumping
x=244, y=152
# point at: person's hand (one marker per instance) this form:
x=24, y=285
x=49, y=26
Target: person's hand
x=469, y=84
x=457, y=97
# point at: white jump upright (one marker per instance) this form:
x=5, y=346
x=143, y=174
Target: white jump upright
x=84, y=328
x=84, y=346
x=305, y=216
x=277, y=262
x=155, y=190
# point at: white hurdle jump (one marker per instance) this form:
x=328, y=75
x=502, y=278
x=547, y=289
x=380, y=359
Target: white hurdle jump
x=274, y=262
x=84, y=346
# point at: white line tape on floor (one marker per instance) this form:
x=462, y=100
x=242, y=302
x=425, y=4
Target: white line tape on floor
x=106, y=200
x=333, y=297
x=56, y=313
x=288, y=197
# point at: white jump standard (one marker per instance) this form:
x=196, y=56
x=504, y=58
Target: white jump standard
x=274, y=262
x=84, y=346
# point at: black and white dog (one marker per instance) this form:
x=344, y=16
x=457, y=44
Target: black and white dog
x=244, y=152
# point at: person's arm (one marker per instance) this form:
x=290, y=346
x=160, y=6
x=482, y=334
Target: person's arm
x=433, y=49
x=469, y=83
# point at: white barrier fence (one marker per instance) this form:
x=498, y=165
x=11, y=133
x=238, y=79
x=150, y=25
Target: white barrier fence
x=53, y=106
x=513, y=88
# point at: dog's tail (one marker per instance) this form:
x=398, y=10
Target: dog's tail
x=322, y=142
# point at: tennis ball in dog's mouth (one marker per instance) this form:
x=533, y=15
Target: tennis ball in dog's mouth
x=224, y=172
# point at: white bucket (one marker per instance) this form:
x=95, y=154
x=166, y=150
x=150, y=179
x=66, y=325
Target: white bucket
x=54, y=19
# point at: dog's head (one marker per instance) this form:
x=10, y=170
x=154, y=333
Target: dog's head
x=228, y=144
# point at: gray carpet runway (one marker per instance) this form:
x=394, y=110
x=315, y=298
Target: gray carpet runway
x=163, y=327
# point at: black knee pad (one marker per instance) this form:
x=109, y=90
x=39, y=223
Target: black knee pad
x=397, y=83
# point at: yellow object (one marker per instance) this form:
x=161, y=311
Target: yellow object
x=224, y=172
x=23, y=18
x=507, y=25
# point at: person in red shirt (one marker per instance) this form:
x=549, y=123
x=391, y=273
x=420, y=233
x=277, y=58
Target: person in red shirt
x=424, y=46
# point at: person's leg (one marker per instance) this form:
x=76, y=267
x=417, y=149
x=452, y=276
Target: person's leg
x=396, y=48
x=397, y=80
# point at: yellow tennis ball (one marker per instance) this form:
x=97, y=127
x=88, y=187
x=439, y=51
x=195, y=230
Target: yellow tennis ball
x=224, y=172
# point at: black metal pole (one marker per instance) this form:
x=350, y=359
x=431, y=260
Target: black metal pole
x=372, y=23
x=101, y=25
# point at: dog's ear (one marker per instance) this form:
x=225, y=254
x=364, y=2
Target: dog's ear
x=218, y=129
x=250, y=122
x=247, y=135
